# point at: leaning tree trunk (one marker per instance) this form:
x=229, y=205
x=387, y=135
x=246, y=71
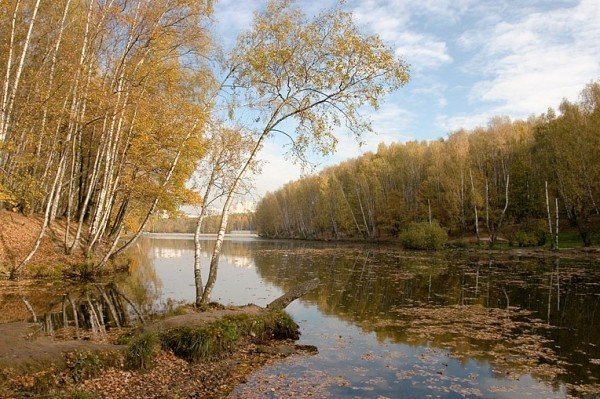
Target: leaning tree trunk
x=198, y=258
x=112, y=253
x=296, y=292
x=214, y=260
x=14, y=273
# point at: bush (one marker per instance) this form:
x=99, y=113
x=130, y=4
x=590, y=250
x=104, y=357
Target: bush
x=530, y=233
x=141, y=351
x=424, y=236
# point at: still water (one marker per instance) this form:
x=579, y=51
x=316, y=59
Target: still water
x=393, y=324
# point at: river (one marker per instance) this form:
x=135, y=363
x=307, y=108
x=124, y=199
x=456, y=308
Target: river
x=390, y=323
x=404, y=324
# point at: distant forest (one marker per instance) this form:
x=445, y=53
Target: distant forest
x=506, y=178
x=210, y=224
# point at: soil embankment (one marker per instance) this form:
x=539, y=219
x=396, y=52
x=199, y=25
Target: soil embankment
x=18, y=234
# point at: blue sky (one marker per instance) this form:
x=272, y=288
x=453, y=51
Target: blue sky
x=470, y=60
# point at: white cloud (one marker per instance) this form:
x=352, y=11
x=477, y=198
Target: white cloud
x=421, y=51
x=452, y=123
x=391, y=123
x=535, y=61
x=277, y=169
x=391, y=20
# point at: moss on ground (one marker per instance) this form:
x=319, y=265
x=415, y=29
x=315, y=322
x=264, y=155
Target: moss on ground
x=223, y=336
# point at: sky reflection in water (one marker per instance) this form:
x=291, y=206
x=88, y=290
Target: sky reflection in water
x=393, y=324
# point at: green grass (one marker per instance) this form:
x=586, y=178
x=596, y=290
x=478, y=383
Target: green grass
x=223, y=336
x=141, y=351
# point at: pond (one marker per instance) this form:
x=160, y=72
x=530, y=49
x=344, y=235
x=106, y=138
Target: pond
x=396, y=324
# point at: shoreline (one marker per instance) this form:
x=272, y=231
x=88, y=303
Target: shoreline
x=32, y=362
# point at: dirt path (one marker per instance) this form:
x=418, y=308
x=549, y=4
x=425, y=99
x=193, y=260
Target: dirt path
x=24, y=344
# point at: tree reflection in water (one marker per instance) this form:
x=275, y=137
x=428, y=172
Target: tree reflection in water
x=379, y=314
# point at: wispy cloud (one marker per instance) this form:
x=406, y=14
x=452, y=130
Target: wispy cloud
x=391, y=20
x=533, y=62
x=456, y=122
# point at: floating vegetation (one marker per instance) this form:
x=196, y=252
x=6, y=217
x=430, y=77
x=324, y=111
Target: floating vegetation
x=509, y=338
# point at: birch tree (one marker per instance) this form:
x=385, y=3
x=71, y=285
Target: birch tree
x=313, y=72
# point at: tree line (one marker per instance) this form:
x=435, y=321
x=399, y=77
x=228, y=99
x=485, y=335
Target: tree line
x=526, y=174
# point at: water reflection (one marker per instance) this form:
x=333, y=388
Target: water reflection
x=499, y=325
x=389, y=323
x=375, y=292
x=93, y=308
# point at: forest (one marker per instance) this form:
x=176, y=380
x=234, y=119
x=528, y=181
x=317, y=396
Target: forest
x=512, y=178
x=101, y=115
x=115, y=111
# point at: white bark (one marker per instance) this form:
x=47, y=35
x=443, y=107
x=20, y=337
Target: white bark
x=4, y=104
x=549, y=215
x=556, y=225
x=15, y=84
x=54, y=191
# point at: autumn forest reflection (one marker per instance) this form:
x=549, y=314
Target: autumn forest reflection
x=524, y=316
x=525, y=324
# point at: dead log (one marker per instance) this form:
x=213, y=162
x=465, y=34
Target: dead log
x=300, y=290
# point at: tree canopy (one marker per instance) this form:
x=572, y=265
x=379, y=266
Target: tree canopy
x=462, y=181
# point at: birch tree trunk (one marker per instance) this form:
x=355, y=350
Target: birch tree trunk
x=15, y=84
x=474, y=207
x=198, y=258
x=556, y=225
x=549, y=216
x=14, y=273
x=496, y=228
x=429, y=209
x=4, y=104
x=214, y=261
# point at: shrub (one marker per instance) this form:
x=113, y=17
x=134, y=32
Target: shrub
x=424, y=236
x=141, y=351
x=215, y=339
x=530, y=233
